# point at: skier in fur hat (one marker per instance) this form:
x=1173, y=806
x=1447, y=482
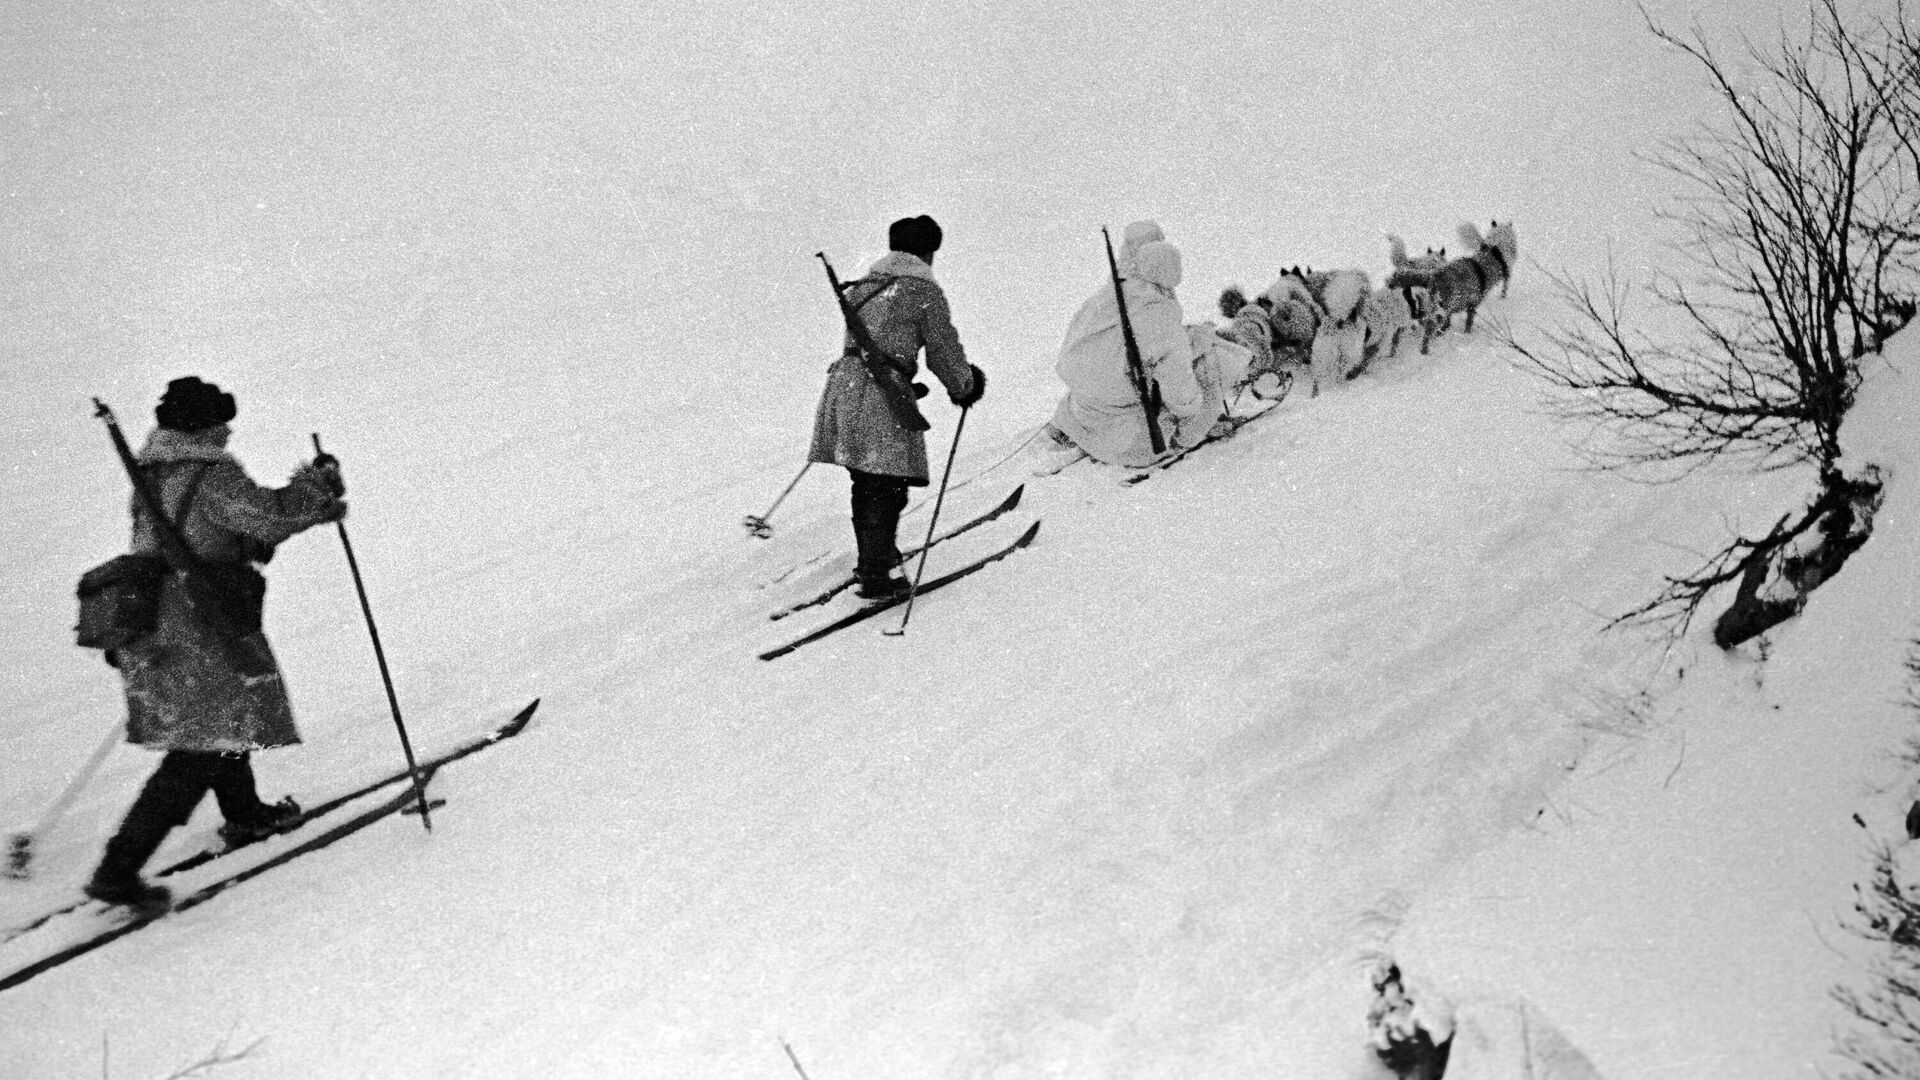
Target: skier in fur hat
x=904, y=311
x=204, y=688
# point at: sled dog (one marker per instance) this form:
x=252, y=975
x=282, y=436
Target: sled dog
x=1337, y=347
x=1277, y=336
x=1461, y=284
x=1387, y=316
x=1503, y=241
x=1433, y=259
x=1290, y=286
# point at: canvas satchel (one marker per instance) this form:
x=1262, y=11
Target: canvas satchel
x=120, y=598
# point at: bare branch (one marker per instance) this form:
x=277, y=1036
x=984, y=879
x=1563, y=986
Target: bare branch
x=1886, y=1040
x=215, y=1058
x=1800, y=225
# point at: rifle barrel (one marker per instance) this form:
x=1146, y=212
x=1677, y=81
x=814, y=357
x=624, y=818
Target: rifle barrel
x=1136, y=365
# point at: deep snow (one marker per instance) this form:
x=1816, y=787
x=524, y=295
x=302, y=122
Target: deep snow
x=1133, y=803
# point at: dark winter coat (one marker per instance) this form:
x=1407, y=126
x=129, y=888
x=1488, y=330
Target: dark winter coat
x=904, y=311
x=187, y=685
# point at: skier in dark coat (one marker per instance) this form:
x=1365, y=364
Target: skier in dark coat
x=904, y=311
x=204, y=687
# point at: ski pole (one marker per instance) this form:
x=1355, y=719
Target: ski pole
x=380, y=656
x=758, y=528
x=952, y=452
x=20, y=845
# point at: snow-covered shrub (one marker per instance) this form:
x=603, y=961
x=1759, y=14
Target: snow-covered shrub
x=1885, y=1041
x=1411, y=1037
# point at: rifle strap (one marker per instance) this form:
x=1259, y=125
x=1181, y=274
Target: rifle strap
x=178, y=553
x=854, y=312
x=169, y=527
x=888, y=374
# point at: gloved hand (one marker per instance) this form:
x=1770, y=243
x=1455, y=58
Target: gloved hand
x=326, y=468
x=325, y=472
x=979, y=388
x=1222, y=429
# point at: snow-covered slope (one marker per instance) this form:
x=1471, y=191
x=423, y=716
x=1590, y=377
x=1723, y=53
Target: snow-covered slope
x=1681, y=898
x=1129, y=804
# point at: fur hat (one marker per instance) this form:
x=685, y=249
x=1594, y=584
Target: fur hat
x=190, y=405
x=915, y=235
x=1158, y=262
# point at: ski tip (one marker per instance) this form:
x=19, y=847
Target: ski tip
x=1013, y=500
x=1026, y=538
x=513, y=727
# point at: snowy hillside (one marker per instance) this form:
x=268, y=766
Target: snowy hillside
x=1134, y=802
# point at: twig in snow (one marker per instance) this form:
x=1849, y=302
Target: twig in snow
x=795, y=1058
x=1677, y=762
x=1820, y=935
x=215, y=1058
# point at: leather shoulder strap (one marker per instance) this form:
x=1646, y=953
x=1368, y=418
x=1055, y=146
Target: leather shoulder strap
x=173, y=523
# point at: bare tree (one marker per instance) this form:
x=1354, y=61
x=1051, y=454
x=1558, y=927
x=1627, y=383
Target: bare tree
x=1797, y=226
x=1894, y=69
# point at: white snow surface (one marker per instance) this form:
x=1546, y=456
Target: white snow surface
x=1137, y=802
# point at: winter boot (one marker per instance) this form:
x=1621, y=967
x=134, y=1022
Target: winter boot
x=266, y=821
x=876, y=574
x=166, y=801
x=881, y=586
x=877, y=503
x=117, y=881
x=130, y=891
x=230, y=775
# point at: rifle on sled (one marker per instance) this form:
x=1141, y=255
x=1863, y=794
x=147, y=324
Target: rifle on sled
x=888, y=373
x=1148, y=390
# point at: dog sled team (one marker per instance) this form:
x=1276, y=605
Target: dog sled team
x=1128, y=350
x=1313, y=326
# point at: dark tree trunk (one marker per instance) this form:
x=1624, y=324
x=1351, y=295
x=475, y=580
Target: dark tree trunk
x=1779, y=576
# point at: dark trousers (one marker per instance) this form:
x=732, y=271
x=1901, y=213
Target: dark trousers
x=878, y=500
x=169, y=799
